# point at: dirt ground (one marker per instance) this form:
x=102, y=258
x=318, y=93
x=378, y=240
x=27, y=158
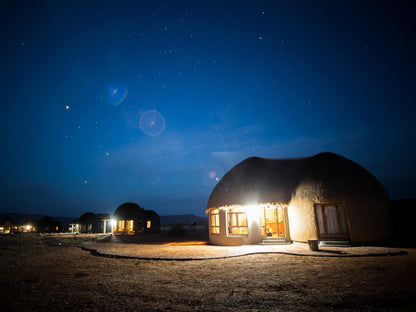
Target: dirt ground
x=37, y=274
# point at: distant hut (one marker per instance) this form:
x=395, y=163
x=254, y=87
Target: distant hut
x=324, y=197
x=130, y=219
x=87, y=223
x=49, y=225
x=104, y=223
x=152, y=221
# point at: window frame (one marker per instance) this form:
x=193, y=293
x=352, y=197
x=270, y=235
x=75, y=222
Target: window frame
x=214, y=215
x=230, y=228
x=342, y=233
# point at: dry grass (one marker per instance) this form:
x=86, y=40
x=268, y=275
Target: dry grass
x=35, y=276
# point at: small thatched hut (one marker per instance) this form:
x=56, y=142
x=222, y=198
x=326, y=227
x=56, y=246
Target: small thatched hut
x=131, y=219
x=323, y=197
x=87, y=223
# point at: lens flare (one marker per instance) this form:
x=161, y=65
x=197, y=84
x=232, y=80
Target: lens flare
x=152, y=123
x=116, y=93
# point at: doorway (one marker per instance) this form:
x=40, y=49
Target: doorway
x=272, y=221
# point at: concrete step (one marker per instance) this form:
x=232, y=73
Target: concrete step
x=274, y=241
x=334, y=243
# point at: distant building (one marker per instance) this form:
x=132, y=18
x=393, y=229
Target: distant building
x=324, y=197
x=130, y=219
x=49, y=225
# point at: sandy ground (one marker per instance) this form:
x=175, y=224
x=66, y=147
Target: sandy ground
x=52, y=274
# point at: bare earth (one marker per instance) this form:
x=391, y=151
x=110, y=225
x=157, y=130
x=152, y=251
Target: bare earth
x=40, y=273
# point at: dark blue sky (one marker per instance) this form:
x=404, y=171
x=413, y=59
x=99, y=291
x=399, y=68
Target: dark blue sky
x=153, y=101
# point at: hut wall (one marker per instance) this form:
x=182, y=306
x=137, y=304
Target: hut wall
x=225, y=239
x=368, y=220
x=301, y=211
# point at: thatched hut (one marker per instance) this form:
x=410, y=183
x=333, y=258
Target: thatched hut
x=87, y=223
x=323, y=197
x=152, y=221
x=130, y=218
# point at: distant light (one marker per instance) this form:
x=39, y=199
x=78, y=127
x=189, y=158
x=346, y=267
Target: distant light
x=66, y=107
x=113, y=222
x=28, y=227
x=85, y=181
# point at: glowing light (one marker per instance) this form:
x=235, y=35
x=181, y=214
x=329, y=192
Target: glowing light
x=66, y=107
x=113, y=222
x=116, y=93
x=152, y=123
x=186, y=243
x=28, y=227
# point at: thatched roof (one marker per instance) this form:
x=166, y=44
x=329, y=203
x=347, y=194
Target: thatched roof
x=152, y=215
x=128, y=211
x=88, y=217
x=259, y=180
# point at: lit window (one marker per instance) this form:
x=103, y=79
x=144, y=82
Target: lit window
x=148, y=224
x=215, y=221
x=121, y=225
x=130, y=226
x=237, y=222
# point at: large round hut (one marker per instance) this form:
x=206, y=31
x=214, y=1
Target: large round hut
x=325, y=197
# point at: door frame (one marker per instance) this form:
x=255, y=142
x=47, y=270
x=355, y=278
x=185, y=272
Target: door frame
x=263, y=221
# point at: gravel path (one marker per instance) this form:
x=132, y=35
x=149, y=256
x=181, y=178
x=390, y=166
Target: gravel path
x=198, y=251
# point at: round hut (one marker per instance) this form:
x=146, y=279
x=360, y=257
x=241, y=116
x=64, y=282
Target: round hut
x=152, y=221
x=88, y=223
x=130, y=218
x=324, y=197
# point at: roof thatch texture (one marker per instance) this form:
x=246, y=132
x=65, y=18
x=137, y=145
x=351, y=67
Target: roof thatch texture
x=88, y=217
x=128, y=211
x=259, y=180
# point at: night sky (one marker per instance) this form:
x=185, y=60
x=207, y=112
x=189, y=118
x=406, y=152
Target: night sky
x=104, y=102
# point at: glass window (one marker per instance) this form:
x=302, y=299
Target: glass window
x=342, y=219
x=129, y=225
x=121, y=225
x=215, y=221
x=237, y=222
x=148, y=224
x=318, y=210
x=331, y=220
